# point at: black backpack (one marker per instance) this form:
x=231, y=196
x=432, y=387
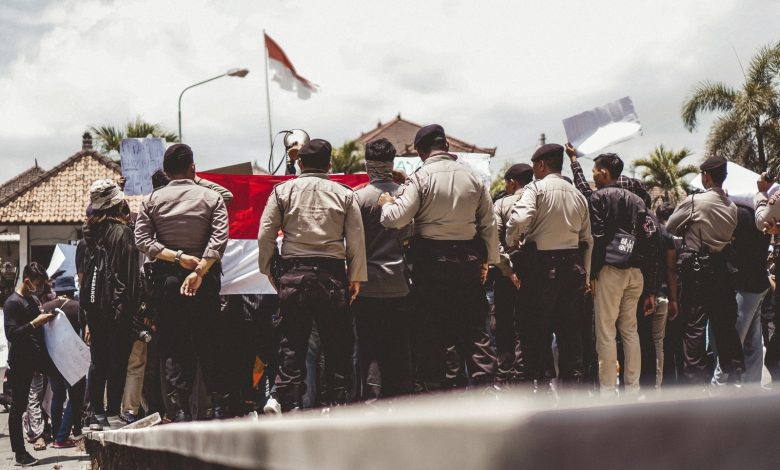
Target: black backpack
x=96, y=287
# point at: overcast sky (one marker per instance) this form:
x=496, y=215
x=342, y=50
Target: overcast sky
x=492, y=73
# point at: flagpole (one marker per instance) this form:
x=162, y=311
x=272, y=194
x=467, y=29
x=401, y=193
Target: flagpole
x=267, y=94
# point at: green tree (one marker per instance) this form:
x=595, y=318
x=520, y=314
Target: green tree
x=498, y=184
x=746, y=129
x=663, y=169
x=110, y=137
x=349, y=158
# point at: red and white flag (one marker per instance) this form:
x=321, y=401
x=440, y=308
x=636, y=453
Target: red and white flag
x=240, y=272
x=284, y=71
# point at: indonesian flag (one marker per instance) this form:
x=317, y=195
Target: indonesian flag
x=240, y=272
x=284, y=71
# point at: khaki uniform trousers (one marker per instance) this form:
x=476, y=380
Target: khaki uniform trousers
x=615, y=300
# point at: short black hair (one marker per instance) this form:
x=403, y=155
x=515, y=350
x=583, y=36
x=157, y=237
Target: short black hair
x=718, y=174
x=380, y=150
x=553, y=162
x=610, y=162
x=177, y=159
x=35, y=272
x=523, y=178
x=316, y=162
x=160, y=179
x=437, y=143
x=664, y=211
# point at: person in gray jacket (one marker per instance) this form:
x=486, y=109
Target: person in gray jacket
x=382, y=312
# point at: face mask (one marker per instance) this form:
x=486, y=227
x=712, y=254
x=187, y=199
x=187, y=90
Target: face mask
x=35, y=291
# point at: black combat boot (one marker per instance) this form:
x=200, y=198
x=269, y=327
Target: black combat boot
x=181, y=401
x=220, y=405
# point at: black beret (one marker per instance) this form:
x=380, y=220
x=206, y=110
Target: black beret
x=713, y=163
x=316, y=148
x=428, y=133
x=548, y=150
x=516, y=170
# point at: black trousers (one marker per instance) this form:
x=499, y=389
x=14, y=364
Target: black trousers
x=109, y=349
x=384, y=346
x=452, y=309
x=553, y=290
x=507, y=303
x=189, y=329
x=314, y=290
x=711, y=299
x=20, y=377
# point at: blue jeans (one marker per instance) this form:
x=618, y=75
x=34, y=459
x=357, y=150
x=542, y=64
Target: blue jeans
x=62, y=422
x=749, y=331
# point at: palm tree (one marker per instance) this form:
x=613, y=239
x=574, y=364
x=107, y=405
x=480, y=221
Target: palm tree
x=747, y=128
x=662, y=169
x=348, y=158
x=110, y=137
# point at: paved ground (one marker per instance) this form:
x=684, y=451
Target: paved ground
x=51, y=458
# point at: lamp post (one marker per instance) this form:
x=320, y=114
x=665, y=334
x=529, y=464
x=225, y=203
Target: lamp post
x=240, y=73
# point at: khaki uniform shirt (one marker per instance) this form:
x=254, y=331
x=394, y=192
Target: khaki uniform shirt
x=183, y=216
x=318, y=218
x=447, y=201
x=710, y=218
x=765, y=211
x=553, y=214
x=502, y=210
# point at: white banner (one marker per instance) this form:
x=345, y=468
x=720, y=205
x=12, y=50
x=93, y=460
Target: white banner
x=240, y=271
x=601, y=127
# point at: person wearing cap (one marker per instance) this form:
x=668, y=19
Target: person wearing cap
x=707, y=222
x=382, y=311
x=184, y=228
x=506, y=283
x=108, y=328
x=553, y=223
x=323, y=262
x=455, y=241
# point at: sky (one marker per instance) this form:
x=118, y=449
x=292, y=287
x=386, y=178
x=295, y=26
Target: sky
x=493, y=73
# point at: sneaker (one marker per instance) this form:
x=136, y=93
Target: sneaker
x=66, y=444
x=98, y=423
x=24, y=459
x=272, y=407
x=114, y=422
x=128, y=417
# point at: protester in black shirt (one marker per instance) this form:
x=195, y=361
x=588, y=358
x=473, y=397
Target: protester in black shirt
x=27, y=354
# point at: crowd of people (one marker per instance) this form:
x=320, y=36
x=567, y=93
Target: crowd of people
x=409, y=284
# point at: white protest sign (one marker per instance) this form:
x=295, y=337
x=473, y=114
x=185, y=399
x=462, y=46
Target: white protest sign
x=68, y=352
x=140, y=159
x=601, y=127
x=479, y=162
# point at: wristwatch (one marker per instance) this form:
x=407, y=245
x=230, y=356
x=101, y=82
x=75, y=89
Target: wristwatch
x=177, y=258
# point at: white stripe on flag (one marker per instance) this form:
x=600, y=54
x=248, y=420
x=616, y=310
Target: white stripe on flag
x=240, y=272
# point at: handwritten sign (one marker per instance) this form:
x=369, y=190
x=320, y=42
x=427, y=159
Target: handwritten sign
x=66, y=349
x=140, y=159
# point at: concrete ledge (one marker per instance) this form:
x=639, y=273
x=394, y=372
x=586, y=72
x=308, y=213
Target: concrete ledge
x=686, y=429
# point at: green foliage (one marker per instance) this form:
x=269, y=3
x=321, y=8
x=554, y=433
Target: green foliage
x=747, y=128
x=498, y=184
x=662, y=169
x=109, y=137
x=349, y=158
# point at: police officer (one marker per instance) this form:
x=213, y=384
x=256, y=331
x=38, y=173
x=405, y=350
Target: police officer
x=455, y=240
x=184, y=228
x=707, y=222
x=322, y=228
x=553, y=221
x=506, y=283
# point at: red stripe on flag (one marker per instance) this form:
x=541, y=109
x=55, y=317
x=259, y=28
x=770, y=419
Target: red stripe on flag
x=276, y=53
x=251, y=192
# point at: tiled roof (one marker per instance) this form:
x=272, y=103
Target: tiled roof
x=400, y=133
x=59, y=195
x=20, y=181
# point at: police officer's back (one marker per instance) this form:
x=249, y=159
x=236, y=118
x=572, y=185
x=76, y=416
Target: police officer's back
x=553, y=221
x=707, y=221
x=322, y=229
x=455, y=239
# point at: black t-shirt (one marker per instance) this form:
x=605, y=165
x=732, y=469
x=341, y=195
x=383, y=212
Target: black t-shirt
x=26, y=343
x=751, y=249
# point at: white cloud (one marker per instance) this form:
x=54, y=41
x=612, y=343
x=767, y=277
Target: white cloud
x=494, y=73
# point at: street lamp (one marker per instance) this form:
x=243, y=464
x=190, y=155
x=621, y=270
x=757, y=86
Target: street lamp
x=240, y=73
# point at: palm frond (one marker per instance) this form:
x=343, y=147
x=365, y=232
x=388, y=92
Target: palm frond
x=707, y=97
